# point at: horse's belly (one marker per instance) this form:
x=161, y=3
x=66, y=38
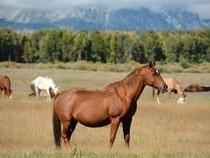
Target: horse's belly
x=92, y=119
x=96, y=123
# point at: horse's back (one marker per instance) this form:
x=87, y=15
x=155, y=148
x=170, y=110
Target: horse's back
x=171, y=82
x=4, y=80
x=196, y=88
x=63, y=96
x=67, y=94
x=38, y=79
x=43, y=82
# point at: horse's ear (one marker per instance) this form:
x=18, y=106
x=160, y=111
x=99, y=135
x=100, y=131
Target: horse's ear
x=151, y=64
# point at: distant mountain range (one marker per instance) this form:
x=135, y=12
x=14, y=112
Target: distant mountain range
x=101, y=18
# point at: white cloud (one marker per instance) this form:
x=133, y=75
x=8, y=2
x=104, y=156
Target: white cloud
x=201, y=9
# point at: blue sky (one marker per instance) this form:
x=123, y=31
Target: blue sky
x=202, y=7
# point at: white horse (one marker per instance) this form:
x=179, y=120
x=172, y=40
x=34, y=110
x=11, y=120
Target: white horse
x=44, y=83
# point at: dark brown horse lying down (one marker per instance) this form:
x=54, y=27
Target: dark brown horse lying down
x=196, y=88
x=114, y=104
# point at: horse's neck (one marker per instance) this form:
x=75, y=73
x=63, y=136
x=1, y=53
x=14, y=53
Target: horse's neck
x=133, y=87
x=179, y=89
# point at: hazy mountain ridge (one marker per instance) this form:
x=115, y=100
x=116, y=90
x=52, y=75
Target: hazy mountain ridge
x=129, y=18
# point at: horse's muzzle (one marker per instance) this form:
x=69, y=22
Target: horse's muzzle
x=181, y=100
x=163, y=88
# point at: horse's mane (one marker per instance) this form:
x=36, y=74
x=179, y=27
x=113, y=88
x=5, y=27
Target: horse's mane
x=129, y=79
x=179, y=87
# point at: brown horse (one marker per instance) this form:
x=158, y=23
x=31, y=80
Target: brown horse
x=114, y=104
x=196, y=88
x=5, y=85
x=42, y=93
x=173, y=86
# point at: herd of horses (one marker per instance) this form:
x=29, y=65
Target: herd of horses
x=114, y=104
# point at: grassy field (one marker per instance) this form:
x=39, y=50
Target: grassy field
x=165, y=130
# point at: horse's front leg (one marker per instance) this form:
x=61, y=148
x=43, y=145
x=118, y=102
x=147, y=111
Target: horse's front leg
x=126, y=131
x=156, y=93
x=0, y=92
x=5, y=92
x=157, y=97
x=48, y=94
x=115, y=122
x=158, y=100
x=169, y=94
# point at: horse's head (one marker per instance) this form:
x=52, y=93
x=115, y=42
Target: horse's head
x=53, y=87
x=153, y=78
x=56, y=90
x=182, y=97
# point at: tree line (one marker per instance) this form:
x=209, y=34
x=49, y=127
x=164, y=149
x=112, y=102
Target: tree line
x=60, y=45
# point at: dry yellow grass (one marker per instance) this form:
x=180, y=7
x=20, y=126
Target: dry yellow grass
x=26, y=122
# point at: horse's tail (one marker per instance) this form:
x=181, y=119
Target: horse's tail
x=32, y=86
x=56, y=129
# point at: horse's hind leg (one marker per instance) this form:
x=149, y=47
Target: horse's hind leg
x=64, y=134
x=37, y=91
x=71, y=129
x=68, y=128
